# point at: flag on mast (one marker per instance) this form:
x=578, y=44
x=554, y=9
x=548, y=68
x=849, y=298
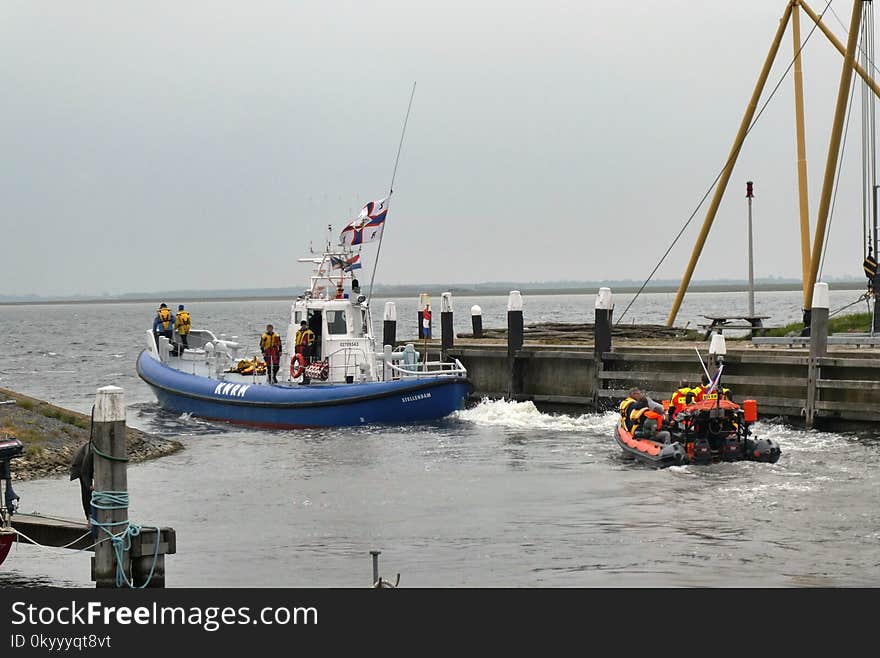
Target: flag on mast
x=346, y=264
x=368, y=226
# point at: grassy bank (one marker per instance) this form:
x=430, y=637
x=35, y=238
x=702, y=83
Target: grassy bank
x=51, y=435
x=854, y=322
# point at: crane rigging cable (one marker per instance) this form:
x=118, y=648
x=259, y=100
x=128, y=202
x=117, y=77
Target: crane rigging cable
x=726, y=165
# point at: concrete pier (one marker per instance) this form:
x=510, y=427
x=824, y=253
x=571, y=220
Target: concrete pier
x=574, y=379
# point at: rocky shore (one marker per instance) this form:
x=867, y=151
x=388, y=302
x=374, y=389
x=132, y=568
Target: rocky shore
x=52, y=434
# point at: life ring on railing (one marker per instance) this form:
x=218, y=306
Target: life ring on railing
x=297, y=365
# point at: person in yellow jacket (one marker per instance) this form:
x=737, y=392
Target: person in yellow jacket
x=270, y=346
x=182, y=324
x=163, y=323
x=681, y=398
x=305, y=339
x=633, y=408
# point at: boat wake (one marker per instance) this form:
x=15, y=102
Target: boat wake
x=169, y=423
x=793, y=439
x=525, y=415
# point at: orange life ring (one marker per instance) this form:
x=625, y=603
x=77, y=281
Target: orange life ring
x=297, y=365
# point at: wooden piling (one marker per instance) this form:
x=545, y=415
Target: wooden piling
x=818, y=349
x=604, y=307
x=110, y=458
x=389, y=329
x=477, y=321
x=514, y=343
x=447, y=333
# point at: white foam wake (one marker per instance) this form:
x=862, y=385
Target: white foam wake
x=524, y=415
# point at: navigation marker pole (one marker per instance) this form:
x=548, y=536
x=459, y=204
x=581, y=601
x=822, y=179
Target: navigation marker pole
x=749, y=195
x=390, y=192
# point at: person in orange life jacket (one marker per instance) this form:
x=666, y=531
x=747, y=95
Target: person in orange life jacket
x=163, y=323
x=682, y=397
x=182, y=324
x=426, y=321
x=700, y=391
x=270, y=346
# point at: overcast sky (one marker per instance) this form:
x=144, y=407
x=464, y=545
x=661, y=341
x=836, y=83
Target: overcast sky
x=167, y=145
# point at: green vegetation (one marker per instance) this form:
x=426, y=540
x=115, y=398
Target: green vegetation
x=34, y=451
x=839, y=324
x=28, y=436
x=63, y=416
x=25, y=404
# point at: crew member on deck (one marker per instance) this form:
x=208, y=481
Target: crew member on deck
x=182, y=324
x=681, y=398
x=305, y=339
x=633, y=407
x=163, y=323
x=270, y=345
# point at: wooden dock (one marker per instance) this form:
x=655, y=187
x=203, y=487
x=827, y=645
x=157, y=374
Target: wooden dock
x=828, y=381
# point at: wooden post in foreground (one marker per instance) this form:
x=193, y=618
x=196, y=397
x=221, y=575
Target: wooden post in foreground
x=145, y=561
x=110, y=475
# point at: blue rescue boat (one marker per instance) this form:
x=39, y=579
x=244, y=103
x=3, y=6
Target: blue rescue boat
x=340, y=379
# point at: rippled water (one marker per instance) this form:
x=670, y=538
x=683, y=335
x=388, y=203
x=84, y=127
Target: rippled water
x=497, y=495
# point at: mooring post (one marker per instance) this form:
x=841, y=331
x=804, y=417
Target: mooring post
x=818, y=348
x=375, y=555
x=110, y=458
x=601, y=337
x=389, y=327
x=477, y=321
x=447, y=335
x=514, y=341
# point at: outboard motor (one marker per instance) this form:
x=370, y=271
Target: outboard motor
x=763, y=450
x=702, y=452
x=730, y=449
x=674, y=453
x=10, y=448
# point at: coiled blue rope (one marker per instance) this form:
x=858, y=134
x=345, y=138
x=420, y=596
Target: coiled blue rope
x=121, y=541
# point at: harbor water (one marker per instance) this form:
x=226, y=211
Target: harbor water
x=496, y=495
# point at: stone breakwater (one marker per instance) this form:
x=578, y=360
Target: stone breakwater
x=52, y=434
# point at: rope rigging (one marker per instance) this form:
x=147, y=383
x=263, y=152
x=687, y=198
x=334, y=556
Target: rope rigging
x=726, y=164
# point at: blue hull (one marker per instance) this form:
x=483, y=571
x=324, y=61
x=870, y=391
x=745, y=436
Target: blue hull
x=295, y=406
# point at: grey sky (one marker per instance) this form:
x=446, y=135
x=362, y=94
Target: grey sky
x=158, y=145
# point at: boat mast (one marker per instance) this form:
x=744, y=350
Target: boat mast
x=390, y=192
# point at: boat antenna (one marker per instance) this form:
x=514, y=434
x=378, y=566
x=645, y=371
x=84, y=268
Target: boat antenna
x=390, y=192
x=702, y=364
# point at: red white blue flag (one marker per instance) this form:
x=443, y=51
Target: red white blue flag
x=368, y=226
x=346, y=264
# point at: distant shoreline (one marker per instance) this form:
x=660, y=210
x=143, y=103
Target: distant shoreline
x=435, y=290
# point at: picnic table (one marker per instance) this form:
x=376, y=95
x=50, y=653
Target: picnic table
x=721, y=322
